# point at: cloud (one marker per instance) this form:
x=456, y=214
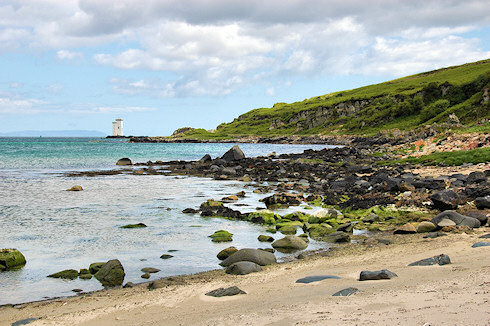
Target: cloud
x=68, y=55
x=119, y=110
x=16, y=106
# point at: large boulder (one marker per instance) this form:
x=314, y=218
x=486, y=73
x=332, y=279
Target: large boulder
x=124, y=161
x=243, y=268
x=233, y=154
x=290, y=242
x=482, y=202
x=257, y=256
x=111, y=273
x=457, y=218
x=11, y=259
x=445, y=199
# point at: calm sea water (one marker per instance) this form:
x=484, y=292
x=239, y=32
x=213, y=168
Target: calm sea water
x=58, y=230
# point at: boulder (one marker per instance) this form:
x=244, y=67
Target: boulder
x=227, y=252
x=233, y=154
x=319, y=230
x=222, y=292
x=206, y=159
x=124, y=161
x=383, y=274
x=67, y=274
x=257, y=256
x=425, y=227
x=482, y=202
x=95, y=267
x=111, y=273
x=325, y=213
x=290, y=242
x=440, y=260
x=265, y=238
x=243, y=268
x=11, y=259
x=75, y=188
x=288, y=229
x=445, y=199
x=345, y=292
x=457, y=218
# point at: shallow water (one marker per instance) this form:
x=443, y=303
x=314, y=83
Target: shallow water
x=58, y=230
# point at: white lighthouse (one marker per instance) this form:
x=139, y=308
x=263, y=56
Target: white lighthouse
x=117, y=127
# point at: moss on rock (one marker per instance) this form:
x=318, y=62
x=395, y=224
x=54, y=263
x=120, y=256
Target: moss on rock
x=67, y=274
x=11, y=259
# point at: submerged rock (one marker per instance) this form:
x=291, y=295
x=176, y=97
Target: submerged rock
x=134, y=226
x=75, y=188
x=67, y=274
x=345, y=292
x=111, y=273
x=11, y=259
x=166, y=256
x=150, y=270
x=243, y=268
x=257, y=256
x=221, y=236
x=222, y=292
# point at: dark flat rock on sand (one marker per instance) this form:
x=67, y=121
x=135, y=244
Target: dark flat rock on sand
x=383, y=274
x=485, y=236
x=317, y=278
x=222, y=292
x=441, y=260
x=24, y=321
x=345, y=292
x=481, y=244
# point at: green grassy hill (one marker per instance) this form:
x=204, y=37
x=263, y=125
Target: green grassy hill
x=404, y=103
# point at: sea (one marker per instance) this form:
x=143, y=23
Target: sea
x=57, y=230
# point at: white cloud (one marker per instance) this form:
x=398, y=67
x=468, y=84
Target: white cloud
x=68, y=55
x=15, y=106
x=129, y=109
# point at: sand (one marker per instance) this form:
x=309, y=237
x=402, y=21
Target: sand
x=455, y=294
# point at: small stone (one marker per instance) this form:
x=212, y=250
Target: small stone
x=24, y=321
x=222, y=292
x=129, y=285
x=150, y=270
x=166, y=256
x=345, y=292
x=77, y=290
x=124, y=161
x=383, y=274
x=146, y=276
x=134, y=226
x=317, y=278
x=265, y=238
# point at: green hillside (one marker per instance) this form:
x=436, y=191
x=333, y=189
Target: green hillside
x=404, y=103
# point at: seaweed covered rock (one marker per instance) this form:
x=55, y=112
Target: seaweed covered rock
x=290, y=242
x=75, y=188
x=134, y=226
x=225, y=253
x=67, y=274
x=95, y=267
x=221, y=236
x=264, y=216
x=11, y=259
x=111, y=273
x=282, y=199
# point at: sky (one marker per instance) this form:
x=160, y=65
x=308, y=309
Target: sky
x=165, y=64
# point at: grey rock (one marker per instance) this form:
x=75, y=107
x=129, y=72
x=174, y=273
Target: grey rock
x=243, y=268
x=317, y=278
x=24, y=321
x=150, y=270
x=456, y=218
x=222, y=292
x=383, y=274
x=205, y=159
x=433, y=235
x=481, y=244
x=482, y=202
x=166, y=256
x=257, y=256
x=290, y=242
x=345, y=292
x=479, y=216
x=440, y=260
x=445, y=199
x=233, y=154
x=485, y=236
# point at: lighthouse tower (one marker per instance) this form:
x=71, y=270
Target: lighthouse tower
x=117, y=127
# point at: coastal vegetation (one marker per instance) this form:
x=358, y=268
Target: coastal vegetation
x=457, y=95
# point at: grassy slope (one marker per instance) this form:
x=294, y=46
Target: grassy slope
x=392, y=105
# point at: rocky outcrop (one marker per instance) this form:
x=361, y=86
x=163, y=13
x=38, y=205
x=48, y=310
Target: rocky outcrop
x=234, y=154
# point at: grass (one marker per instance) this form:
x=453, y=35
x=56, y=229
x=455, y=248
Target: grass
x=404, y=103
x=453, y=158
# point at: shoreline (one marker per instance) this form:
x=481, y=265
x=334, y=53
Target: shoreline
x=181, y=301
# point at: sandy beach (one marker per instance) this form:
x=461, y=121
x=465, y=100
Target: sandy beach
x=454, y=294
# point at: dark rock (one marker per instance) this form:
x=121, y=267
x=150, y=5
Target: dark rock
x=75, y=188
x=257, y=256
x=476, y=177
x=150, y=270
x=227, y=252
x=166, y=256
x=95, y=267
x=111, y=273
x=146, y=276
x=446, y=199
x=129, y=285
x=68, y=274
x=337, y=236
x=479, y=216
x=233, y=154
x=290, y=242
x=11, y=259
x=205, y=159
x=282, y=199
x=441, y=260
x=134, y=226
x=433, y=235
x=190, y=211
x=124, y=161
x=481, y=244
x=243, y=268
x=345, y=292
x=482, y=202
x=457, y=218
x=383, y=274
x=485, y=236
x=25, y=321
x=77, y=290
x=317, y=278
x=265, y=238
x=222, y=292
